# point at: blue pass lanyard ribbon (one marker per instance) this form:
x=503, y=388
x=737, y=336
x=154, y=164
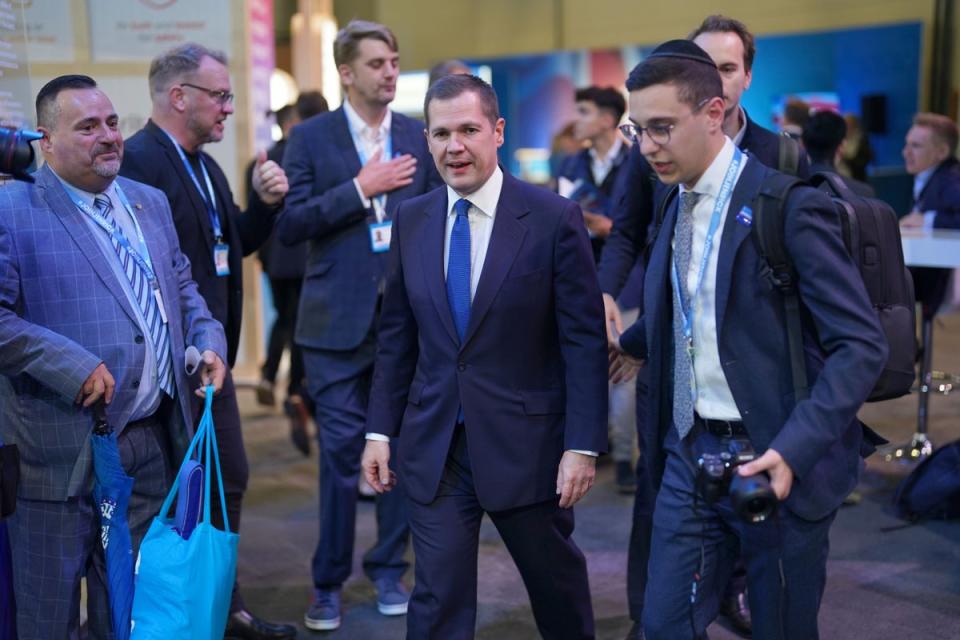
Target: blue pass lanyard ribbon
x=379, y=202
x=723, y=199
x=209, y=200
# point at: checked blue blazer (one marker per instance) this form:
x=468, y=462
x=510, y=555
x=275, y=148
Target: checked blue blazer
x=63, y=311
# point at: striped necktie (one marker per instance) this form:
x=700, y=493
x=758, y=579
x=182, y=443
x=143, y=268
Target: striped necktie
x=143, y=292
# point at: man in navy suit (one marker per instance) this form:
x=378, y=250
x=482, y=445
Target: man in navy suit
x=716, y=347
x=96, y=305
x=191, y=94
x=929, y=157
x=732, y=47
x=349, y=171
x=490, y=373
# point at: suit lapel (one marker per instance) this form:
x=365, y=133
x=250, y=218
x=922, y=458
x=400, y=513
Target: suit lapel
x=431, y=243
x=734, y=233
x=505, y=241
x=186, y=183
x=81, y=233
x=657, y=287
x=344, y=143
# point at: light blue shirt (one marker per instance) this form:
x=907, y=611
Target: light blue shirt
x=919, y=183
x=149, y=392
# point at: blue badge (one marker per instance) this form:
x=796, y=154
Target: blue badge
x=745, y=217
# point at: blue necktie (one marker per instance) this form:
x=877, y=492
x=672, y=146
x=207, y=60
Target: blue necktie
x=458, y=268
x=142, y=291
x=683, y=394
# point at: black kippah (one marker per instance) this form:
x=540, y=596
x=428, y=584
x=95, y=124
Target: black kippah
x=686, y=49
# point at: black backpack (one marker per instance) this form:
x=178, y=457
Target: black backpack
x=871, y=234
x=932, y=490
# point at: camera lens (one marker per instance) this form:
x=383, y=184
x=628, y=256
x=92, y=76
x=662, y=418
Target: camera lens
x=752, y=497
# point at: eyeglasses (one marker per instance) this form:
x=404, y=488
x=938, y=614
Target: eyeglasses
x=221, y=96
x=659, y=134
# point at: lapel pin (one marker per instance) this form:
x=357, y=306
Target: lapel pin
x=745, y=217
x=138, y=206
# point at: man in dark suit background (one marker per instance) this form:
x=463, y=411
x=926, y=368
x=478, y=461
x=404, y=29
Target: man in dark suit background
x=823, y=136
x=490, y=372
x=732, y=47
x=191, y=95
x=80, y=325
x=707, y=343
x=929, y=156
x=285, y=266
x=349, y=171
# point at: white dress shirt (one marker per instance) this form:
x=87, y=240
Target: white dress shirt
x=714, y=398
x=600, y=166
x=368, y=140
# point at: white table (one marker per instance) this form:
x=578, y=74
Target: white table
x=936, y=248
x=925, y=248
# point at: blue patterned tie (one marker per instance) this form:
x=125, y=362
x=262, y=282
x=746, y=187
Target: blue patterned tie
x=683, y=396
x=140, y=284
x=458, y=268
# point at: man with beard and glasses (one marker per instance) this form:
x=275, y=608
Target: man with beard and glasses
x=191, y=94
x=349, y=171
x=97, y=306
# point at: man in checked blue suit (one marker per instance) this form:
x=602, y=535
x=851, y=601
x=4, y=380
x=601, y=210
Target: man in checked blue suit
x=717, y=349
x=491, y=374
x=96, y=305
x=349, y=170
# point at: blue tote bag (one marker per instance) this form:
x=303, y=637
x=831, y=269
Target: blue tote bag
x=182, y=586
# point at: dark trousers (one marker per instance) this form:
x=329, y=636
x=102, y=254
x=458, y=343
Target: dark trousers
x=233, y=462
x=638, y=553
x=55, y=544
x=286, y=300
x=339, y=384
x=785, y=557
x=443, y=605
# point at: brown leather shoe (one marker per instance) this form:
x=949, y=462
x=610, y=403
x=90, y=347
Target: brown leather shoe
x=296, y=410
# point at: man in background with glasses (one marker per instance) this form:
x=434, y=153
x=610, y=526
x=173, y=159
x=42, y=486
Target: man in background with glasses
x=191, y=95
x=711, y=328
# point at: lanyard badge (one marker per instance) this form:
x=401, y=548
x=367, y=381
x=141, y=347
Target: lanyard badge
x=380, y=235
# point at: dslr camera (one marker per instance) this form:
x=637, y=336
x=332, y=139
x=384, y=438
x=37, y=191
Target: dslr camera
x=752, y=497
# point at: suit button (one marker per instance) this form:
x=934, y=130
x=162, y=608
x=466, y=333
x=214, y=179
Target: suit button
x=135, y=384
x=462, y=366
x=138, y=339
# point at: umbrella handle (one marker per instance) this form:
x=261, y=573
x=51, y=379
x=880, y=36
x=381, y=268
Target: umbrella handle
x=100, y=425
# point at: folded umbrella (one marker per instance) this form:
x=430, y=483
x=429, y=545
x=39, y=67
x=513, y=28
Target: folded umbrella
x=111, y=494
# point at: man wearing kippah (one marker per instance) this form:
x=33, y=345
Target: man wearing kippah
x=711, y=328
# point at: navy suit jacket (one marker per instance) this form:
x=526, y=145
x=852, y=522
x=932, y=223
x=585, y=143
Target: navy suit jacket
x=531, y=374
x=63, y=312
x=942, y=194
x=819, y=437
x=638, y=195
x=343, y=275
x=150, y=157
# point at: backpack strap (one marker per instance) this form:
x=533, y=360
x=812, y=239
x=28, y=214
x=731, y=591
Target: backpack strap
x=789, y=152
x=768, y=221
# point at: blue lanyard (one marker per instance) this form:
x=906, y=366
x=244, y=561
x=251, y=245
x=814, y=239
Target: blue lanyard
x=209, y=200
x=723, y=199
x=380, y=202
x=110, y=226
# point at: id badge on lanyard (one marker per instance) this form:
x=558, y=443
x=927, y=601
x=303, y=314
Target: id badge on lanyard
x=380, y=233
x=221, y=257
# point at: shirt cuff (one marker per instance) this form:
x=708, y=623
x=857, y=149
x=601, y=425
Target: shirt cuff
x=592, y=454
x=928, y=219
x=365, y=200
x=378, y=437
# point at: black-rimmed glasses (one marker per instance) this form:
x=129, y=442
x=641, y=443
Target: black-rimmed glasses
x=221, y=96
x=659, y=134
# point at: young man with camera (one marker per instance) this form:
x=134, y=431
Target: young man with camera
x=713, y=337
